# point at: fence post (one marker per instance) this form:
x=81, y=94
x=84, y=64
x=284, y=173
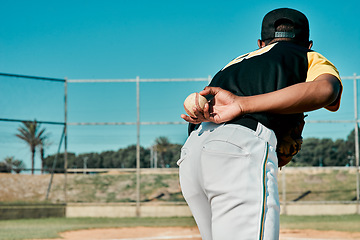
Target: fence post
x=356, y=146
x=65, y=140
x=138, y=147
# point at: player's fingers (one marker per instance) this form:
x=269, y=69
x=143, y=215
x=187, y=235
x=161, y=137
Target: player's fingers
x=210, y=91
x=199, y=114
x=207, y=116
x=190, y=119
x=206, y=111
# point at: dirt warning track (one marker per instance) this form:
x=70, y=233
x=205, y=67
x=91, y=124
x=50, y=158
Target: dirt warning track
x=186, y=233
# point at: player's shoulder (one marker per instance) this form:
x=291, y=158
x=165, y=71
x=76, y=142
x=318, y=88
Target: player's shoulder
x=250, y=55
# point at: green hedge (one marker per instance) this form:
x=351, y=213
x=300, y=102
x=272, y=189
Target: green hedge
x=20, y=211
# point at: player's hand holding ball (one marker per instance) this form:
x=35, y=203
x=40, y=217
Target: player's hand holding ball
x=194, y=102
x=223, y=107
x=195, y=105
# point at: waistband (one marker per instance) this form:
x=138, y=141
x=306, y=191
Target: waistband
x=258, y=129
x=247, y=122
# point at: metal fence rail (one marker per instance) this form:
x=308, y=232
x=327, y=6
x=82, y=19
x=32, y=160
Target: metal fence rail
x=139, y=80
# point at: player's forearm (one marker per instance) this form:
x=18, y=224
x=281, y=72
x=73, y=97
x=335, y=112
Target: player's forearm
x=302, y=97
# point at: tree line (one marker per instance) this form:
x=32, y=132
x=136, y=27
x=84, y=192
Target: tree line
x=326, y=152
x=163, y=154
x=315, y=152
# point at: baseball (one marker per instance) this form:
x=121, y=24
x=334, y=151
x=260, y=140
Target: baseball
x=194, y=100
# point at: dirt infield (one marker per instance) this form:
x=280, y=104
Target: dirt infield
x=315, y=234
x=184, y=233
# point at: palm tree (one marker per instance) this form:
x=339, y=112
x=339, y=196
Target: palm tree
x=18, y=166
x=14, y=164
x=9, y=161
x=31, y=133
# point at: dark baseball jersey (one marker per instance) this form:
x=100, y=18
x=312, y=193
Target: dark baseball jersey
x=271, y=68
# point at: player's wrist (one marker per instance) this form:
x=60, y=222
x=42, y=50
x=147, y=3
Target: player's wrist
x=243, y=105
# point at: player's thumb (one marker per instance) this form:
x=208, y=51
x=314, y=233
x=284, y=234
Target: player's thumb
x=210, y=91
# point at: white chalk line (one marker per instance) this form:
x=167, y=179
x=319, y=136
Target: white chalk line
x=199, y=236
x=160, y=237
x=301, y=238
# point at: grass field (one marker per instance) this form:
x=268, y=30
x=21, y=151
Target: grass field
x=322, y=184
x=49, y=228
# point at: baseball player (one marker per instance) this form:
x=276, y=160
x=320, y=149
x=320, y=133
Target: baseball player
x=229, y=164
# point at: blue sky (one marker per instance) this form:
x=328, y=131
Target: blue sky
x=151, y=39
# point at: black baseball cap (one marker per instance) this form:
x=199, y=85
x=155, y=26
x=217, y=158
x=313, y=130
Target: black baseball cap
x=298, y=19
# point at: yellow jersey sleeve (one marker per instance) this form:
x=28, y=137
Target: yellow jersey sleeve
x=318, y=65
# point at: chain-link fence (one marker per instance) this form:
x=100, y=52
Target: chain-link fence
x=108, y=114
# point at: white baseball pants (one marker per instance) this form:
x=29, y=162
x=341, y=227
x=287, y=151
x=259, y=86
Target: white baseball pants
x=228, y=176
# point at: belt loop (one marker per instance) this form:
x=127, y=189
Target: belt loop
x=266, y=134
